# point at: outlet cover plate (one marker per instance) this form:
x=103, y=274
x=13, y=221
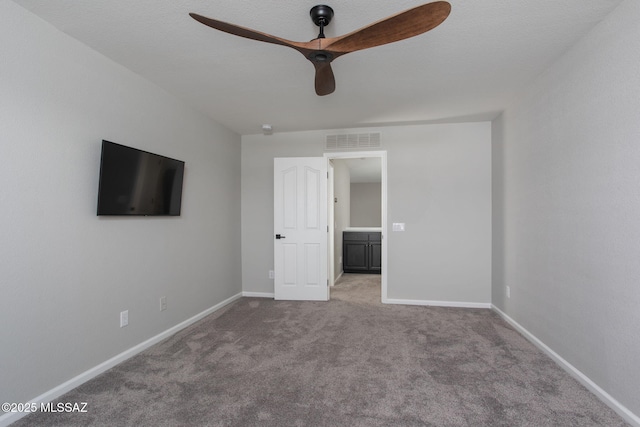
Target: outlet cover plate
x=124, y=318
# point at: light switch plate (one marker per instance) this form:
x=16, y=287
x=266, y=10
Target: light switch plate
x=398, y=226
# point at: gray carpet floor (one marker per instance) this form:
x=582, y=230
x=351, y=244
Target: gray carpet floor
x=351, y=361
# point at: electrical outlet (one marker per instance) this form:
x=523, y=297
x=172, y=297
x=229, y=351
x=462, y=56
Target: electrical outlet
x=508, y=292
x=163, y=303
x=124, y=318
x=272, y=274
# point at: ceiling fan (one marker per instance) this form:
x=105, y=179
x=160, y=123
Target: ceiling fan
x=321, y=50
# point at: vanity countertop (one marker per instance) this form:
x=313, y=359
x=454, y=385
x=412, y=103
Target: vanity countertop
x=363, y=229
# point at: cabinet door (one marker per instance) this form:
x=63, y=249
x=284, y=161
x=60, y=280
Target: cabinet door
x=355, y=256
x=375, y=257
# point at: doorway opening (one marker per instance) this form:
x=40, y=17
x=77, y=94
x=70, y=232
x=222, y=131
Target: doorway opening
x=373, y=166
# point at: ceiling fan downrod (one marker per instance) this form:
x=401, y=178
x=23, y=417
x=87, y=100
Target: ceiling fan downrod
x=321, y=16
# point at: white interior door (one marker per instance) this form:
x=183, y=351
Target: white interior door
x=300, y=228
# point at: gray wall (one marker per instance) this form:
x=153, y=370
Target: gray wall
x=566, y=206
x=342, y=209
x=65, y=274
x=366, y=204
x=439, y=184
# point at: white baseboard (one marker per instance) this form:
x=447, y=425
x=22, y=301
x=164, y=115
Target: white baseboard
x=67, y=386
x=258, y=294
x=457, y=304
x=620, y=409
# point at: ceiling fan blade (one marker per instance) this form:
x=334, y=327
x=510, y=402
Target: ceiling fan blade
x=325, y=81
x=244, y=32
x=398, y=27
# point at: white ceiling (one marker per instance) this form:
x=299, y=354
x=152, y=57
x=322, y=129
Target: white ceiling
x=469, y=68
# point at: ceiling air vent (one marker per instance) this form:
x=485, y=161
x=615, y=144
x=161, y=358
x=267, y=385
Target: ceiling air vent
x=349, y=141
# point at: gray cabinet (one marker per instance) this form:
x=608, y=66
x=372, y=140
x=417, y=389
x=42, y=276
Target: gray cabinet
x=362, y=252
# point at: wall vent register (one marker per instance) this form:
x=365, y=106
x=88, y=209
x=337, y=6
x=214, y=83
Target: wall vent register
x=353, y=141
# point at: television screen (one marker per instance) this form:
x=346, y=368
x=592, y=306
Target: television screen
x=135, y=182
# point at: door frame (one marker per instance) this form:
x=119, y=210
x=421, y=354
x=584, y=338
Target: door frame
x=331, y=222
x=382, y=155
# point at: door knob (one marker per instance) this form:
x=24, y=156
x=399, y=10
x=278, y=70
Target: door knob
x=278, y=237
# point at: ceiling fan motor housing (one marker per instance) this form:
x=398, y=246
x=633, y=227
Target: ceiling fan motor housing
x=320, y=56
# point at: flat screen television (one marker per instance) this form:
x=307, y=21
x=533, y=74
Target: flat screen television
x=136, y=182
